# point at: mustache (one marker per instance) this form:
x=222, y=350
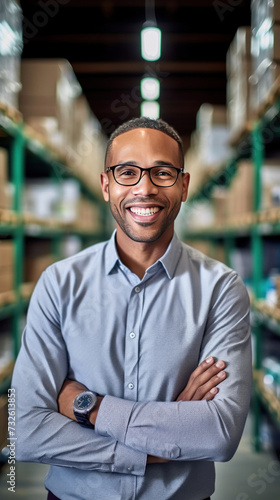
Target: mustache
x=146, y=199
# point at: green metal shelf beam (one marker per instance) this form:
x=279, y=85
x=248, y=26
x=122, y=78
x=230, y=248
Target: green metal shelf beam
x=5, y=384
x=220, y=178
x=266, y=404
x=266, y=321
x=7, y=229
x=8, y=310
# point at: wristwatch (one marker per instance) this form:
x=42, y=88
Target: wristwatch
x=82, y=406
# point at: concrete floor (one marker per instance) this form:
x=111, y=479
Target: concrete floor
x=248, y=476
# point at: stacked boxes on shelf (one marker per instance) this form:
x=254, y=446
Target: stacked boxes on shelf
x=265, y=48
x=212, y=129
x=45, y=200
x=53, y=106
x=37, y=258
x=49, y=89
x=238, y=88
x=6, y=267
x=5, y=187
x=204, y=157
x=232, y=205
x=10, y=51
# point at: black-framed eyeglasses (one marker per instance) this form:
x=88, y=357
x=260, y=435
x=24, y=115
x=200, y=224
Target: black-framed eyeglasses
x=129, y=175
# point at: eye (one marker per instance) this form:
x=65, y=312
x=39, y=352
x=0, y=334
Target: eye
x=164, y=172
x=126, y=172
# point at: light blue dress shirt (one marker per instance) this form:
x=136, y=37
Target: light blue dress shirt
x=136, y=342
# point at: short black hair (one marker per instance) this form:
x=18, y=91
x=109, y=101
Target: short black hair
x=144, y=122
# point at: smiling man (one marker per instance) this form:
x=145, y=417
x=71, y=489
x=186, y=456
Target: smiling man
x=120, y=382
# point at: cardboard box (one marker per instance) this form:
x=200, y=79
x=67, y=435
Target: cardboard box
x=82, y=115
x=6, y=254
x=238, y=97
x=35, y=265
x=3, y=166
x=5, y=196
x=240, y=193
x=270, y=181
x=49, y=88
x=3, y=421
x=212, y=129
x=6, y=280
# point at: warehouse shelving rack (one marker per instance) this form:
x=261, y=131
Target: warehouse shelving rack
x=15, y=225
x=260, y=137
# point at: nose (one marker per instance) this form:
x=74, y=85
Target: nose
x=145, y=186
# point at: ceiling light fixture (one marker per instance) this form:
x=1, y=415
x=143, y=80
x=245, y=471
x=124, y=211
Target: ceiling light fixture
x=150, y=109
x=150, y=34
x=150, y=88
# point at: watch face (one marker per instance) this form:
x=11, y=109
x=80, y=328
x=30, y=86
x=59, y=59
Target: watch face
x=84, y=401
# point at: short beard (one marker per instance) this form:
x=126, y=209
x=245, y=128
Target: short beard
x=125, y=227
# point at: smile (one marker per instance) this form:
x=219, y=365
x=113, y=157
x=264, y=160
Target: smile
x=144, y=212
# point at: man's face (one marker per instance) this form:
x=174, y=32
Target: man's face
x=144, y=212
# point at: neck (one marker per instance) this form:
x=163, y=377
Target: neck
x=138, y=256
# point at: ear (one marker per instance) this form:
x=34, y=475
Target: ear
x=104, y=185
x=186, y=181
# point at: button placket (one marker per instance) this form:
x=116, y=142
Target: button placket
x=134, y=313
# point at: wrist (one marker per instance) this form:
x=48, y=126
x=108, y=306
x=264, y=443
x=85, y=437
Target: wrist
x=94, y=412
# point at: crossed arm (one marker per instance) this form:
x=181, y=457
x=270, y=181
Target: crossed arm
x=203, y=424
x=202, y=385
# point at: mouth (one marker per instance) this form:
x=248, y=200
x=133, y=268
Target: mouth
x=144, y=211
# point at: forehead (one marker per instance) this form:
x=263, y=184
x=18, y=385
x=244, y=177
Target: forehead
x=144, y=144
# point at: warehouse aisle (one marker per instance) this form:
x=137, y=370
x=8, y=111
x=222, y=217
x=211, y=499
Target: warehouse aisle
x=249, y=476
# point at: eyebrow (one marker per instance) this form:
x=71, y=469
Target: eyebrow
x=158, y=163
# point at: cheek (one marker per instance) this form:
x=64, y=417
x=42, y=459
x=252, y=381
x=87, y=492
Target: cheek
x=117, y=195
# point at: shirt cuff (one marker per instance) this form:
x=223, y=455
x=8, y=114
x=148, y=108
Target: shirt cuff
x=129, y=461
x=113, y=417
x=112, y=421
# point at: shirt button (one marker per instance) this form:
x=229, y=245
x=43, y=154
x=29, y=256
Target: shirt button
x=131, y=386
x=132, y=335
x=137, y=289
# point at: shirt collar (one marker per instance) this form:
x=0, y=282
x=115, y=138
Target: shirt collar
x=169, y=260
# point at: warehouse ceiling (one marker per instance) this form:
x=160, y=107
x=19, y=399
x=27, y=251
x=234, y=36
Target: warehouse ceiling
x=101, y=39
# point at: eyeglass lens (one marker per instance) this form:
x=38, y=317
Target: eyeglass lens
x=160, y=176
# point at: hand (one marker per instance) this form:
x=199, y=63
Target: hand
x=202, y=384
x=69, y=391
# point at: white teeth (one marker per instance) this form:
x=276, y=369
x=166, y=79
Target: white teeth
x=144, y=211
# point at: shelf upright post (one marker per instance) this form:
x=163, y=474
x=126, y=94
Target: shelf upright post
x=257, y=254
x=17, y=170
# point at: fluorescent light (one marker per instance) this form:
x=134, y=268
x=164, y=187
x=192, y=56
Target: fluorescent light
x=150, y=109
x=151, y=43
x=150, y=88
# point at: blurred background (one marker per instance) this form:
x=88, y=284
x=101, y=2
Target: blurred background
x=71, y=71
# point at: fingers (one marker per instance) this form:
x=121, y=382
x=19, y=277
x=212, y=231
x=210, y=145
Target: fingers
x=209, y=390
x=203, y=379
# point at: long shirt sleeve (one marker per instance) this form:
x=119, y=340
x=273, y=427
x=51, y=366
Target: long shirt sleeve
x=136, y=342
